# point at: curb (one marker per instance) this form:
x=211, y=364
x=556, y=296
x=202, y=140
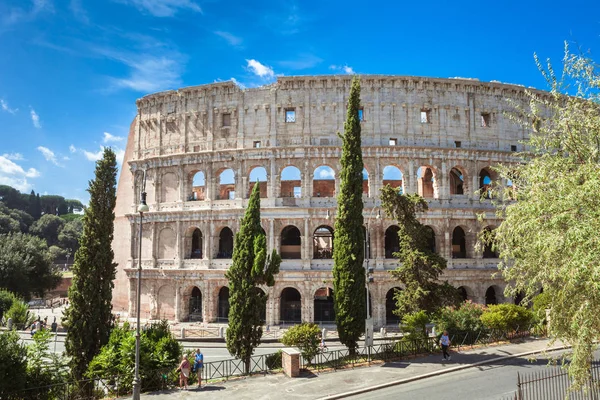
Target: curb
x=437, y=373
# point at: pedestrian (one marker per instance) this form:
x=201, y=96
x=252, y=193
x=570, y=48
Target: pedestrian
x=199, y=366
x=445, y=343
x=184, y=372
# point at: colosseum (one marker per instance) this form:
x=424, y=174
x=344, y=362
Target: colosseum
x=204, y=148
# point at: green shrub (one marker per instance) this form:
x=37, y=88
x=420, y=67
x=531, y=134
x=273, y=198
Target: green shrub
x=6, y=301
x=414, y=325
x=507, y=317
x=541, y=303
x=464, y=319
x=20, y=315
x=273, y=361
x=306, y=337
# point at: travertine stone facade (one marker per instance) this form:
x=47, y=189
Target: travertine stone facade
x=442, y=134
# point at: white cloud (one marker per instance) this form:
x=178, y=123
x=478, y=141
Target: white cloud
x=240, y=84
x=14, y=175
x=35, y=119
x=112, y=138
x=230, y=38
x=49, y=155
x=91, y=156
x=163, y=8
x=13, y=156
x=6, y=108
x=72, y=149
x=19, y=15
x=259, y=69
x=326, y=173
x=342, y=68
x=120, y=154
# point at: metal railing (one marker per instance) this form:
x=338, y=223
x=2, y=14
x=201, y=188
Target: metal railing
x=553, y=384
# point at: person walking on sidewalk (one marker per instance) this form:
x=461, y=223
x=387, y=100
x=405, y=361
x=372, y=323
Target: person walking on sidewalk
x=184, y=372
x=198, y=366
x=445, y=343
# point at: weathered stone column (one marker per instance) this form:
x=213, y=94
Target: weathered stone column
x=177, y=303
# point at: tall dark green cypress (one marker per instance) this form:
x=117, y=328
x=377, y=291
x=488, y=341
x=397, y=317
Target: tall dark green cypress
x=89, y=314
x=251, y=267
x=348, y=248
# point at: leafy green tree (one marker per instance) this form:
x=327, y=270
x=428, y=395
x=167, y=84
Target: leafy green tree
x=348, y=249
x=48, y=227
x=414, y=325
x=35, y=206
x=419, y=267
x=251, y=267
x=13, y=366
x=20, y=314
x=306, y=336
x=507, y=317
x=6, y=301
x=466, y=318
x=89, y=314
x=13, y=199
x=26, y=266
x=549, y=236
x=8, y=224
x=53, y=204
x=14, y=220
x=69, y=235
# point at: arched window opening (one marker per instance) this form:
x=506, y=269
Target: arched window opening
x=463, y=293
x=198, y=187
x=390, y=307
x=365, y=184
x=323, y=306
x=290, y=307
x=323, y=242
x=490, y=296
x=196, y=244
x=488, y=247
x=324, y=182
x=291, y=182
x=485, y=184
x=430, y=238
x=195, y=313
x=291, y=244
x=258, y=174
x=225, y=243
x=459, y=243
x=456, y=182
x=226, y=185
x=393, y=176
x=392, y=241
x=425, y=182
x=223, y=305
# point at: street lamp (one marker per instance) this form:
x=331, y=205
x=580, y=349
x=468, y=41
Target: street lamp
x=142, y=208
x=369, y=278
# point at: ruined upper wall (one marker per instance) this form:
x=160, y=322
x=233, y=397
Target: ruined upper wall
x=223, y=116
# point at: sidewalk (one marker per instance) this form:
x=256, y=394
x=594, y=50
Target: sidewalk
x=330, y=384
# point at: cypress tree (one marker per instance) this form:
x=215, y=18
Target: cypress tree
x=89, y=315
x=251, y=266
x=348, y=249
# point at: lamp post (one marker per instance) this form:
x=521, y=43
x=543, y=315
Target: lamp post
x=142, y=208
x=369, y=272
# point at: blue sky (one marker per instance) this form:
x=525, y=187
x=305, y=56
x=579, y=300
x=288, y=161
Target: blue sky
x=71, y=70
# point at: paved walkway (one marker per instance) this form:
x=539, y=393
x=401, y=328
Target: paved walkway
x=351, y=380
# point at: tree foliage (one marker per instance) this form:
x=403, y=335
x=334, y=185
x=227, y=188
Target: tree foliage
x=89, y=314
x=549, y=237
x=465, y=318
x=306, y=337
x=348, y=248
x=25, y=265
x=507, y=317
x=419, y=267
x=48, y=228
x=251, y=267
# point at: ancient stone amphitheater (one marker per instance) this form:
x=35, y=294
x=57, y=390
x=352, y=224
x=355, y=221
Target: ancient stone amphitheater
x=205, y=147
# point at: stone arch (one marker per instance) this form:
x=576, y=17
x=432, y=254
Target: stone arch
x=488, y=248
x=198, y=185
x=195, y=305
x=431, y=243
x=226, y=186
x=291, y=182
x=259, y=174
x=486, y=178
x=193, y=243
x=169, y=187
x=492, y=295
x=459, y=243
x=323, y=242
x=392, y=175
x=167, y=244
x=165, y=301
x=466, y=293
x=290, y=310
x=392, y=241
x=390, y=306
x=427, y=182
x=324, y=181
x=225, y=243
x=291, y=243
x=457, y=181
x=323, y=306
x=223, y=305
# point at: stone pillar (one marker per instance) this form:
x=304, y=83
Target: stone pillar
x=272, y=178
x=290, y=360
x=270, y=317
x=180, y=252
x=182, y=185
x=177, y=303
x=244, y=188
x=444, y=183
x=271, y=237
x=475, y=187
x=410, y=186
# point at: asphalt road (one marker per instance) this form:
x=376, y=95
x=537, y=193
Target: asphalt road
x=493, y=381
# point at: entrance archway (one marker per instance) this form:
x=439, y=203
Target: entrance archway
x=390, y=306
x=195, y=305
x=392, y=241
x=196, y=244
x=323, y=305
x=490, y=296
x=290, y=306
x=223, y=305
